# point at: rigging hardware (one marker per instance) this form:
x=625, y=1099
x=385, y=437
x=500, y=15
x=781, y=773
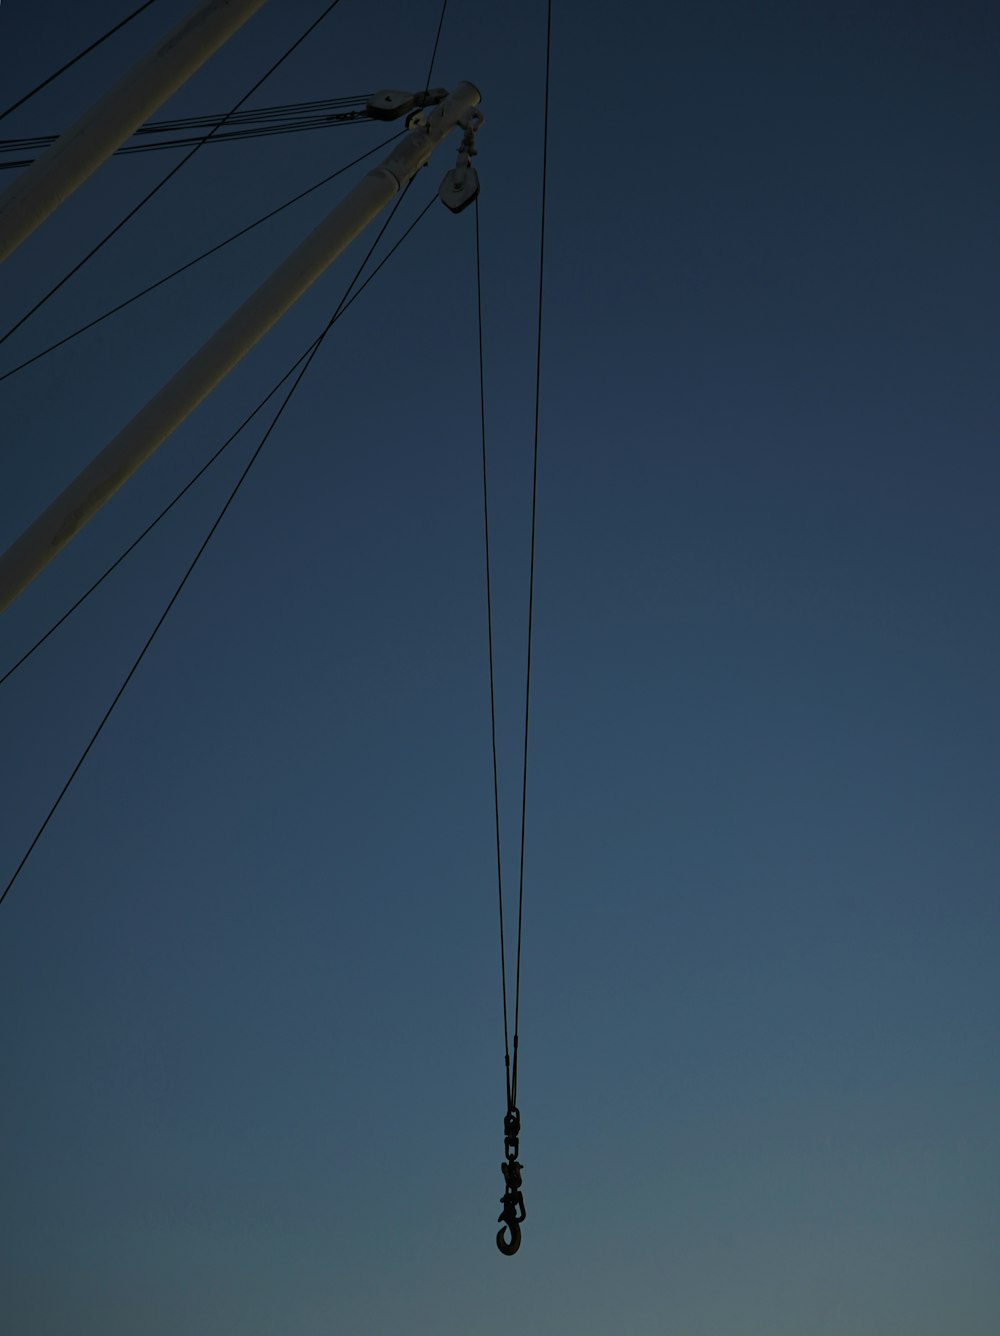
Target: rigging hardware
x=461, y=185
x=512, y=1212
x=388, y=104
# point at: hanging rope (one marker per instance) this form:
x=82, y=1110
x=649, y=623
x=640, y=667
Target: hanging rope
x=489, y=637
x=513, y=1213
x=513, y=1201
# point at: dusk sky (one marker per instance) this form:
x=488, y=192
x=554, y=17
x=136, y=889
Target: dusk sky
x=250, y=1008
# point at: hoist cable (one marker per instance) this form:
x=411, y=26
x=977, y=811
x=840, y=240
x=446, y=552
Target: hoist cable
x=307, y=362
x=513, y=1212
x=489, y=640
x=212, y=458
x=198, y=258
x=173, y=172
x=79, y=56
x=534, y=498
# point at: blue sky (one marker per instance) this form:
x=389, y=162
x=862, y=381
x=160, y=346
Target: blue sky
x=250, y=975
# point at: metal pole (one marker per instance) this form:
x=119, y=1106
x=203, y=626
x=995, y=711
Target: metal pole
x=199, y=376
x=54, y=176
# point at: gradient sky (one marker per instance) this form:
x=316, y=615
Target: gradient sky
x=249, y=979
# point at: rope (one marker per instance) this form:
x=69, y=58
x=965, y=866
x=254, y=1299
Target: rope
x=306, y=363
x=489, y=636
x=513, y=1213
x=79, y=56
x=212, y=458
x=323, y=120
x=437, y=38
x=197, y=259
x=252, y=116
x=173, y=172
x=534, y=498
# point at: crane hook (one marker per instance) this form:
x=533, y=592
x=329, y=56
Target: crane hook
x=513, y=1211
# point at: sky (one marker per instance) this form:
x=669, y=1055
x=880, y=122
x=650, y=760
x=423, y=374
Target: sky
x=250, y=1008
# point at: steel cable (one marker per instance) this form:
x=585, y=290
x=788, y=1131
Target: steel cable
x=489, y=640
x=318, y=121
x=534, y=508
x=437, y=39
x=250, y=117
x=173, y=172
x=79, y=56
x=212, y=458
x=306, y=361
x=197, y=259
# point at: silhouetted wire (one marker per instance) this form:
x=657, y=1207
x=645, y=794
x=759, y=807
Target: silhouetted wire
x=222, y=448
x=489, y=640
x=534, y=497
x=307, y=361
x=250, y=117
x=253, y=114
x=173, y=172
x=321, y=121
x=197, y=259
x=80, y=55
x=437, y=38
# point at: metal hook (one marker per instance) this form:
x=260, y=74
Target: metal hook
x=513, y=1211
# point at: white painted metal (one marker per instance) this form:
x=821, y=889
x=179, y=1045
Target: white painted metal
x=43, y=186
x=198, y=377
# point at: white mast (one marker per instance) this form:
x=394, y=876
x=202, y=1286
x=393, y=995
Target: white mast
x=54, y=176
x=232, y=340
